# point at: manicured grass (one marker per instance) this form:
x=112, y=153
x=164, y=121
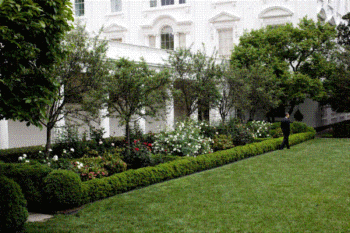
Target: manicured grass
x=304, y=189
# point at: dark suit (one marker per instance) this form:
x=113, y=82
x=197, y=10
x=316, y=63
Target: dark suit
x=285, y=126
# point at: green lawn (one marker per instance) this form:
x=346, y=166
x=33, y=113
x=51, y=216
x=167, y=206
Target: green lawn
x=304, y=189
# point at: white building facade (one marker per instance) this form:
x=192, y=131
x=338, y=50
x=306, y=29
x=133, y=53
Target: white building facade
x=148, y=28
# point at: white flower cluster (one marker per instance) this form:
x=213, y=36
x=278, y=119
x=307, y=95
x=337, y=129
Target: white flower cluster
x=185, y=140
x=260, y=129
x=79, y=165
x=23, y=158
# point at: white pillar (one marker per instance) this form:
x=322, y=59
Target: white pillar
x=142, y=122
x=4, y=134
x=105, y=122
x=158, y=42
x=170, y=114
x=214, y=116
x=59, y=127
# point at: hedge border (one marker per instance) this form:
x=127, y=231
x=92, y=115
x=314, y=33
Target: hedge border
x=98, y=189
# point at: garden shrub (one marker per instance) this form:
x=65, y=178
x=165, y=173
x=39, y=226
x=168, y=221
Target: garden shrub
x=13, y=211
x=186, y=140
x=63, y=190
x=222, y=142
x=138, y=154
x=240, y=134
x=100, y=188
x=161, y=158
x=12, y=155
x=298, y=127
x=31, y=180
x=259, y=129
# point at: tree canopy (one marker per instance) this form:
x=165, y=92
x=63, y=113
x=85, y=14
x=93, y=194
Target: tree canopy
x=30, y=35
x=338, y=84
x=195, y=80
x=299, y=56
x=81, y=75
x=135, y=90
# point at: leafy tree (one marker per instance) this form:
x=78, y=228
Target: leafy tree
x=136, y=91
x=233, y=92
x=255, y=89
x=195, y=82
x=338, y=84
x=80, y=75
x=30, y=36
x=299, y=57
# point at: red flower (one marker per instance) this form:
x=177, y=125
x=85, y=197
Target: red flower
x=137, y=149
x=150, y=144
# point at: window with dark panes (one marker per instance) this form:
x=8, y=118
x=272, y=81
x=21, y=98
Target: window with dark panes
x=167, y=38
x=79, y=7
x=167, y=2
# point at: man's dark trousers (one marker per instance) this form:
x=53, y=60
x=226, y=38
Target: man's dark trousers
x=285, y=126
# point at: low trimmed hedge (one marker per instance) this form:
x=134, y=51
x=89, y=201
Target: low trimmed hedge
x=97, y=189
x=41, y=184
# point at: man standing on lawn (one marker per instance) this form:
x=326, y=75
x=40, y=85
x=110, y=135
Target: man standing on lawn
x=285, y=126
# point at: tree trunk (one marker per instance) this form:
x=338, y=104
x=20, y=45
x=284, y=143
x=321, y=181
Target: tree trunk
x=49, y=128
x=127, y=137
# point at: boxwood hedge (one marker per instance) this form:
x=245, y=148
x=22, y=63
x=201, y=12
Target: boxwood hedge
x=97, y=189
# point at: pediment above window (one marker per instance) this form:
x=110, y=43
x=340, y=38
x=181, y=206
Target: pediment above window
x=275, y=12
x=322, y=15
x=154, y=26
x=115, y=28
x=224, y=17
x=332, y=21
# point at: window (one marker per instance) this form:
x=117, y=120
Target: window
x=152, y=41
x=182, y=1
x=153, y=3
x=167, y=2
x=182, y=40
x=116, y=5
x=79, y=7
x=225, y=41
x=167, y=38
x=120, y=40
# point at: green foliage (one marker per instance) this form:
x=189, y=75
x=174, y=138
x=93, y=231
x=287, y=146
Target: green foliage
x=13, y=212
x=254, y=88
x=304, y=48
x=260, y=129
x=94, y=165
x=186, y=140
x=146, y=95
x=222, y=142
x=12, y=155
x=195, y=83
x=30, y=178
x=30, y=35
x=81, y=76
x=101, y=188
x=338, y=83
x=238, y=131
x=138, y=155
x=63, y=190
x=298, y=127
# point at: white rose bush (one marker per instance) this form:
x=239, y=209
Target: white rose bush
x=185, y=140
x=259, y=129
